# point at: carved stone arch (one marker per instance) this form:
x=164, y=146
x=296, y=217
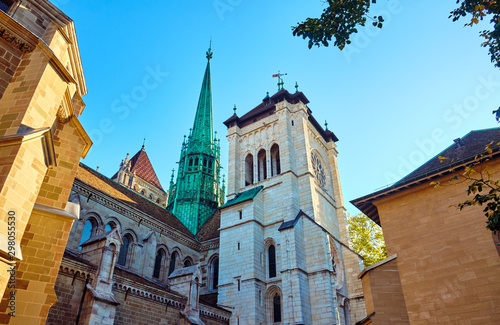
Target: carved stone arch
x=271, y=258
x=275, y=158
x=187, y=260
x=87, y=227
x=115, y=221
x=132, y=233
x=94, y=215
x=127, y=250
x=262, y=164
x=336, y=265
x=248, y=167
x=161, y=263
x=272, y=309
x=175, y=259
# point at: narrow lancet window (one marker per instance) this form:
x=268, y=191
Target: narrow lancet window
x=249, y=170
x=275, y=160
x=272, y=261
x=262, y=167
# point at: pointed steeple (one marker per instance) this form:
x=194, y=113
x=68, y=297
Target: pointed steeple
x=197, y=193
x=203, y=125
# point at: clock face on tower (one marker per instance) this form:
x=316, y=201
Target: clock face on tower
x=318, y=169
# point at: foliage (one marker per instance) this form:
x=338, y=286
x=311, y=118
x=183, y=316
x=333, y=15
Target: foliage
x=481, y=180
x=342, y=18
x=479, y=10
x=367, y=238
x=339, y=19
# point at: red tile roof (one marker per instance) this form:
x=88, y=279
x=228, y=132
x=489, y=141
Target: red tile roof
x=142, y=167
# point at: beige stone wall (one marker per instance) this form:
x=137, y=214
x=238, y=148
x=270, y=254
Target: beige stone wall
x=41, y=141
x=447, y=260
x=383, y=294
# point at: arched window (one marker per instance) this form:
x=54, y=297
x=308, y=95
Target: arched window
x=122, y=257
x=150, y=197
x=89, y=230
x=249, y=170
x=272, y=261
x=276, y=308
x=261, y=158
x=173, y=260
x=158, y=261
x=215, y=273
x=143, y=192
x=108, y=228
x=187, y=263
x=275, y=160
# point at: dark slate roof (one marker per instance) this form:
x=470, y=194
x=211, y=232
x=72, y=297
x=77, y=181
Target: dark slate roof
x=463, y=151
x=210, y=228
x=293, y=222
x=268, y=107
x=129, y=197
x=243, y=196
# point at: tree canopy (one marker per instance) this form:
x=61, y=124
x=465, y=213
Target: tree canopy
x=342, y=18
x=367, y=238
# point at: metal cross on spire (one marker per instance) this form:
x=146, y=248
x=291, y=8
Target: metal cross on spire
x=280, y=80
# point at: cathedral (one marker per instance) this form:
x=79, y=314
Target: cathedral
x=275, y=252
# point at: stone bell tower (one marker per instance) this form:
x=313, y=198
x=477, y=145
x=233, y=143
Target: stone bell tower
x=284, y=252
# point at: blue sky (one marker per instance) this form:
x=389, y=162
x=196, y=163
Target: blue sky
x=395, y=97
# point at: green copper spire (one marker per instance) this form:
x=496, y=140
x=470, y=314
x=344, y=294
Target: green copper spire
x=197, y=193
x=203, y=125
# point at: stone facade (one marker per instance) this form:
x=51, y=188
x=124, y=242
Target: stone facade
x=41, y=142
x=283, y=242
x=109, y=209
x=447, y=261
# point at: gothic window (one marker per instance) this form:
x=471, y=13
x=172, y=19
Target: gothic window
x=187, y=263
x=190, y=162
x=5, y=5
x=249, y=170
x=272, y=261
x=89, y=230
x=275, y=160
x=276, y=308
x=158, y=262
x=210, y=164
x=196, y=162
x=214, y=270
x=108, y=228
x=122, y=257
x=173, y=260
x=262, y=168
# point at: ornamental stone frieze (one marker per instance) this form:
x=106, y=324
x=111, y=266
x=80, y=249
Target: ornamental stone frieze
x=15, y=41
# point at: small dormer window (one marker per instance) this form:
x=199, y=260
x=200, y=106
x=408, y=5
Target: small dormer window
x=5, y=5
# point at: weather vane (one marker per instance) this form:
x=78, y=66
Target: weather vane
x=280, y=80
